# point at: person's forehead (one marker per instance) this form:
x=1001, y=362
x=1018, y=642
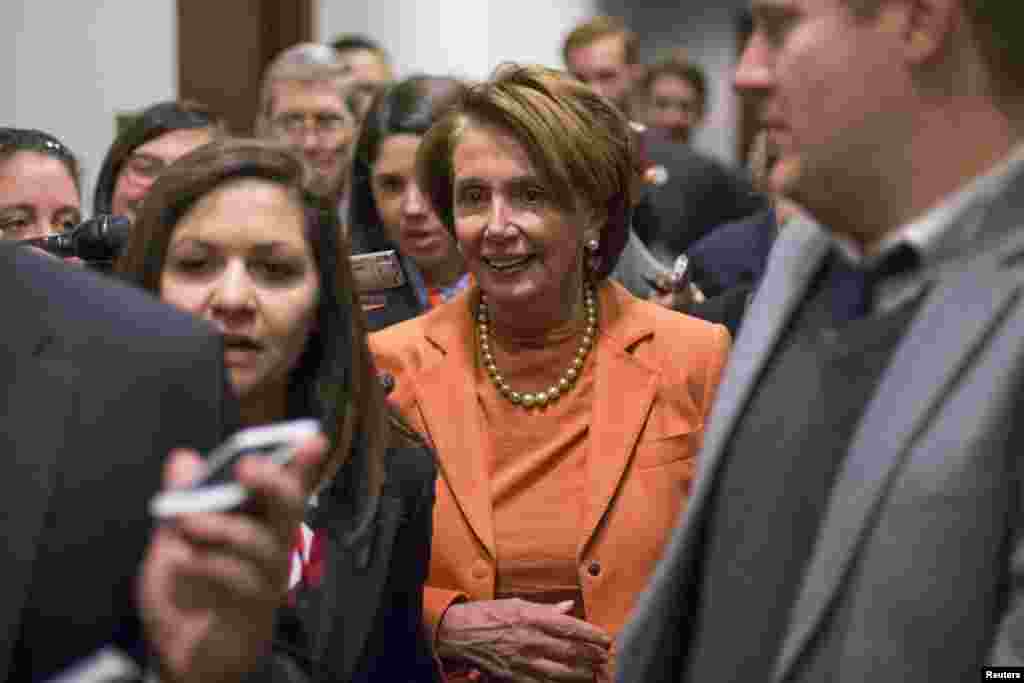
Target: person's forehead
x=484, y=144
x=606, y=50
x=306, y=96
x=29, y=176
x=674, y=85
x=271, y=211
x=366, y=65
x=397, y=152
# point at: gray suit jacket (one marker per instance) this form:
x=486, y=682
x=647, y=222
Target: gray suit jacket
x=637, y=268
x=918, y=566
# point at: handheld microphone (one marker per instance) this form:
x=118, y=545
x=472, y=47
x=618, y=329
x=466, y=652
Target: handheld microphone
x=97, y=239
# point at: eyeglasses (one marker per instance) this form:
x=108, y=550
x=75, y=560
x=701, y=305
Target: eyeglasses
x=322, y=123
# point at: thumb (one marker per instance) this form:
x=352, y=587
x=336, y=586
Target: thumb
x=309, y=461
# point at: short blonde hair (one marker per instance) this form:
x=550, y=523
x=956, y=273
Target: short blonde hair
x=578, y=141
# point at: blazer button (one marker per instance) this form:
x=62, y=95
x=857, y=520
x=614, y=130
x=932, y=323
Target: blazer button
x=594, y=568
x=480, y=570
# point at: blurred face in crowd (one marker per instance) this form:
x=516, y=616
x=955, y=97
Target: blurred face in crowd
x=406, y=215
x=38, y=197
x=147, y=162
x=366, y=66
x=674, y=107
x=523, y=248
x=240, y=259
x=602, y=65
x=805, y=68
x=313, y=118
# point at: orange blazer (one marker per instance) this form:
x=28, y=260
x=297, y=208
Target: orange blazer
x=656, y=373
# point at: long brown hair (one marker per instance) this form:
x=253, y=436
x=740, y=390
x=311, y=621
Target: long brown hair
x=335, y=379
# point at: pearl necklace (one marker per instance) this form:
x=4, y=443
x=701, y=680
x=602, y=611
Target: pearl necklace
x=569, y=377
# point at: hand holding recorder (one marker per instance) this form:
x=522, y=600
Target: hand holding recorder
x=675, y=290
x=217, y=568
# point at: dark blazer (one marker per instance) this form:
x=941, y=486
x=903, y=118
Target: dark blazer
x=698, y=194
x=918, y=566
x=733, y=254
x=371, y=608
x=98, y=381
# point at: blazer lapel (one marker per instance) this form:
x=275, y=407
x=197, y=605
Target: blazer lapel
x=346, y=626
x=623, y=393
x=37, y=399
x=795, y=260
x=446, y=398
x=923, y=368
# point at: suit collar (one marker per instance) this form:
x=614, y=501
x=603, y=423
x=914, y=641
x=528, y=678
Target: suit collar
x=624, y=389
x=798, y=256
x=975, y=288
x=454, y=422
x=919, y=376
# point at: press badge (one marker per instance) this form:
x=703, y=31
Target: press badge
x=377, y=271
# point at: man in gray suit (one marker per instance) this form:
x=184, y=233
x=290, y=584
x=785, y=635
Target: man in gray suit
x=857, y=514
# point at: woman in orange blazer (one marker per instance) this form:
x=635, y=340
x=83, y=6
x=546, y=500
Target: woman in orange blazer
x=566, y=414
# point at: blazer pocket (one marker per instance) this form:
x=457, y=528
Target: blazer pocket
x=663, y=450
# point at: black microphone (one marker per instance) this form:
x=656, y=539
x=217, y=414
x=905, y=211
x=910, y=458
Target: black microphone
x=98, y=239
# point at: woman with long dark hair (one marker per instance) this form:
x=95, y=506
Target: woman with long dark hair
x=230, y=234
x=387, y=210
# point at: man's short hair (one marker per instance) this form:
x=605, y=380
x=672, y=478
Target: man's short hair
x=601, y=26
x=351, y=42
x=308, y=62
x=996, y=24
x=682, y=69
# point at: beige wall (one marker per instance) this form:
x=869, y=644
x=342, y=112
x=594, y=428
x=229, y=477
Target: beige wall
x=68, y=66
x=461, y=37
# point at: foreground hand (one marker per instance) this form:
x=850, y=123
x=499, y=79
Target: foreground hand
x=212, y=582
x=524, y=641
x=665, y=293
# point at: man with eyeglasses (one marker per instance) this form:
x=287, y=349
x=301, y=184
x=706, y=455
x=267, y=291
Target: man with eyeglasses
x=159, y=136
x=303, y=103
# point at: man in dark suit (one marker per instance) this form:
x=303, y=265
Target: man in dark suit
x=99, y=383
x=687, y=193
x=857, y=511
x=734, y=254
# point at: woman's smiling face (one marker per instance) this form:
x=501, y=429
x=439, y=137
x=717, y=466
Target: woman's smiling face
x=523, y=247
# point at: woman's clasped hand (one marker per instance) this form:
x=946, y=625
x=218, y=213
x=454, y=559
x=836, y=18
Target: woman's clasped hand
x=527, y=641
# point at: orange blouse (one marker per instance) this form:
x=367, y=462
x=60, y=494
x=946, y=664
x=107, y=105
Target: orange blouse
x=537, y=465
